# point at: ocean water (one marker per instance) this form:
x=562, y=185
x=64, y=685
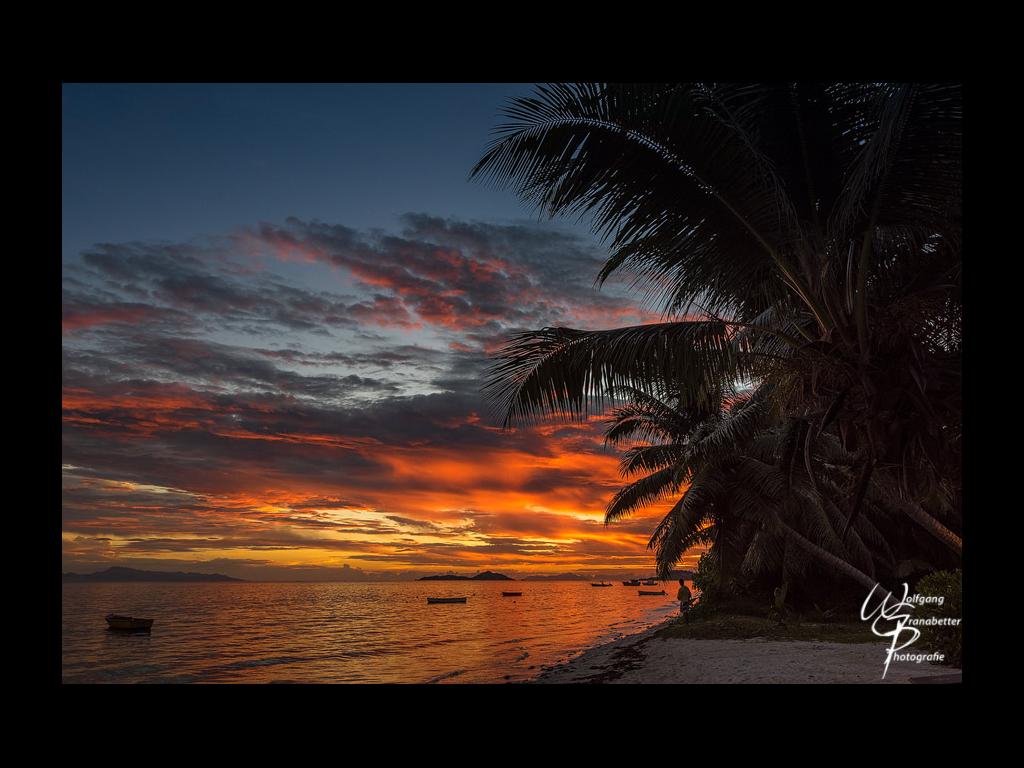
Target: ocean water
x=343, y=633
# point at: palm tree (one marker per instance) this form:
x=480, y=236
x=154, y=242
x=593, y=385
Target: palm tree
x=741, y=490
x=802, y=236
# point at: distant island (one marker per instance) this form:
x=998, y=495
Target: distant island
x=118, y=573
x=672, y=576
x=485, y=576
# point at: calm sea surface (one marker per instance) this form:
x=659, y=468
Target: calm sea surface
x=343, y=633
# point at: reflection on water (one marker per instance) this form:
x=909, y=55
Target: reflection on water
x=352, y=633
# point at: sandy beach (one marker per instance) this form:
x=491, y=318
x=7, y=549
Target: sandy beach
x=646, y=658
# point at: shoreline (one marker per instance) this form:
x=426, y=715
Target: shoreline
x=643, y=657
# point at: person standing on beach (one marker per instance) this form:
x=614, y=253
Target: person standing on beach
x=684, y=597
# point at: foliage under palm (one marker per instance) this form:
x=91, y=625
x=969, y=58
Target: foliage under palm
x=763, y=512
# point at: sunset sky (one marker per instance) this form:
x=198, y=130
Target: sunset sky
x=277, y=307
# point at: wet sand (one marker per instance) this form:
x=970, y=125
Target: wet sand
x=644, y=658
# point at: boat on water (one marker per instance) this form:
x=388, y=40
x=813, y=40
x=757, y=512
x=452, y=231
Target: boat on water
x=116, y=621
x=649, y=592
x=599, y=585
x=446, y=599
x=511, y=594
x=650, y=583
x=631, y=583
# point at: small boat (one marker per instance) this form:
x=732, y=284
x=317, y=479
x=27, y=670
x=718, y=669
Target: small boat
x=651, y=583
x=114, y=621
x=446, y=599
x=511, y=594
x=631, y=583
x=599, y=585
x=648, y=592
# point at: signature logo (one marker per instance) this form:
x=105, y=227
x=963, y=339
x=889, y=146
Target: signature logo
x=890, y=610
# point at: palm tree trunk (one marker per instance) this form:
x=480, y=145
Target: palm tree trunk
x=835, y=563
x=934, y=527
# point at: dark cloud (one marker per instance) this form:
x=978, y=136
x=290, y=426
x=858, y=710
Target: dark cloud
x=194, y=282
x=464, y=276
x=208, y=365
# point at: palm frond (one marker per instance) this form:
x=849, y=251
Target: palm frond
x=649, y=458
x=681, y=528
x=570, y=373
x=643, y=492
x=670, y=173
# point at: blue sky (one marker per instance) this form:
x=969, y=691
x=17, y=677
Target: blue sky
x=170, y=162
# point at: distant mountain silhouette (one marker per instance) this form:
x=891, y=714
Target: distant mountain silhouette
x=484, y=576
x=118, y=573
x=673, y=575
